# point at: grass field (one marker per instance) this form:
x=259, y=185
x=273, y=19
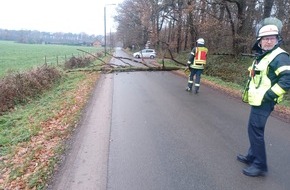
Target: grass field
x=32, y=135
x=20, y=57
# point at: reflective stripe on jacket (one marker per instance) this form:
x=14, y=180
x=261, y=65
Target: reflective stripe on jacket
x=260, y=83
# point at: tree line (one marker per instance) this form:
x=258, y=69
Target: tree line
x=228, y=26
x=37, y=37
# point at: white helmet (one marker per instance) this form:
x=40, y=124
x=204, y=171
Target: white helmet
x=268, y=30
x=200, y=41
x=268, y=27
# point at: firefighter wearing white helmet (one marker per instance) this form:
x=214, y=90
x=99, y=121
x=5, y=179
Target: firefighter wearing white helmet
x=196, y=63
x=200, y=41
x=269, y=80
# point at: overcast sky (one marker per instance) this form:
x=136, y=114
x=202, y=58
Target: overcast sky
x=74, y=16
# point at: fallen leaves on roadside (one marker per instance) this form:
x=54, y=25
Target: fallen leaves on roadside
x=36, y=156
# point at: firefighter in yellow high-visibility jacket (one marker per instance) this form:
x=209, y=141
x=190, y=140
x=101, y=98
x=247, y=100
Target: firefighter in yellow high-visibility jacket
x=269, y=81
x=196, y=63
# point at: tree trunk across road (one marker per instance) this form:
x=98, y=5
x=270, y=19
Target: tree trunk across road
x=143, y=131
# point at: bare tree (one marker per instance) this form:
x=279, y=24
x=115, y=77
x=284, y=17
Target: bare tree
x=268, y=4
x=227, y=25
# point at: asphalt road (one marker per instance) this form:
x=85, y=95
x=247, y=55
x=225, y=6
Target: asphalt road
x=143, y=131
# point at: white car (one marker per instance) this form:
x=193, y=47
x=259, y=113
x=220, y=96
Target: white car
x=145, y=53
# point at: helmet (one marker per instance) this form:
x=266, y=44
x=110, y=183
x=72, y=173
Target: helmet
x=268, y=26
x=268, y=30
x=200, y=41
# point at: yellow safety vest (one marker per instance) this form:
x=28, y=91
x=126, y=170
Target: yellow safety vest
x=260, y=82
x=200, y=58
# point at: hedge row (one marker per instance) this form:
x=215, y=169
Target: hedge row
x=19, y=87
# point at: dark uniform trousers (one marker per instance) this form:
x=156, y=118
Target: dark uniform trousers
x=256, y=128
x=197, y=73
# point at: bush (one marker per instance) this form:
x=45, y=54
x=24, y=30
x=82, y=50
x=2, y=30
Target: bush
x=18, y=88
x=228, y=68
x=75, y=62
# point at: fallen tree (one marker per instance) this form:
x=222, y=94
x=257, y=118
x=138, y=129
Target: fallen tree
x=128, y=67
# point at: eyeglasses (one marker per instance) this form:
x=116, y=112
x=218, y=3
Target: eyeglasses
x=271, y=39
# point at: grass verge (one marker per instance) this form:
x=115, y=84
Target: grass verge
x=31, y=136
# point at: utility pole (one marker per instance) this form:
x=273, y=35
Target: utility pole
x=105, y=27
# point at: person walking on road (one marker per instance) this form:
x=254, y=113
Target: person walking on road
x=269, y=80
x=196, y=62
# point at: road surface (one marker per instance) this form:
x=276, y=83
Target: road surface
x=143, y=131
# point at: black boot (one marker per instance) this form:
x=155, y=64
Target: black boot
x=244, y=159
x=254, y=171
x=188, y=89
x=196, y=90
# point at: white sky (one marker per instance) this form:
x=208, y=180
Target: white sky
x=73, y=16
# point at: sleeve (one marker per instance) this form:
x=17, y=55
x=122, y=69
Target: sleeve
x=282, y=83
x=191, y=57
x=283, y=72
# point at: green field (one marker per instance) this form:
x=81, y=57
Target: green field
x=21, y=57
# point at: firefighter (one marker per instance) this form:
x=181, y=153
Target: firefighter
x=196, y=62
x=269, y=81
